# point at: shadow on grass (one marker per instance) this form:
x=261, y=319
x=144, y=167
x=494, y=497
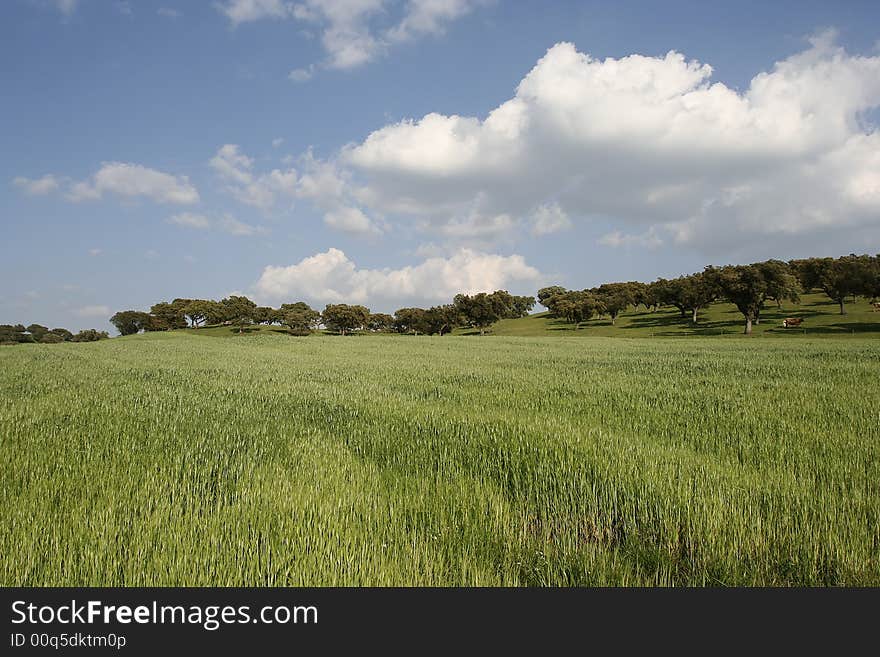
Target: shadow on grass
x=247, y=330
x=838, y=329
x=676, y=325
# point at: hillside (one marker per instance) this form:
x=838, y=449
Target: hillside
x=820, y=314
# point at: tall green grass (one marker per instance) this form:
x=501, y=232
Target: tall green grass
x=172, y=459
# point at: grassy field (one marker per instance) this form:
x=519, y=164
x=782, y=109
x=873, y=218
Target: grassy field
x=820, y=315
x=821, y=318
x=172, y=459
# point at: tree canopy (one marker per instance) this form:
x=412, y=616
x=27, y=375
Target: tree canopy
x=343, y=318
x=129, y=322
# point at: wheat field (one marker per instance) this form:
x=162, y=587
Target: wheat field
x=174, y=459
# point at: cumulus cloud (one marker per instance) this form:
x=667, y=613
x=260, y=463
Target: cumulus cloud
x=650, y=143
x=39, y=186
x=649, y=239
x=134, y=180
x=548, y=219
x=301, y=74
x=190, y=220
x=321, y=182
x=259, y=190
x=349, y=220
x=233, y=226
x=354, y=32
x=331, y=277
x=243, y=11
x=66, y=7
x=474, y=228
x=430, y=17
x=330, y=190
x=93, y=311
x=232, y=165
x=226, y=224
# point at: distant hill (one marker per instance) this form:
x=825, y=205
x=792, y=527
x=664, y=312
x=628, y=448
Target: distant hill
x=820, y=318
x=820, y=314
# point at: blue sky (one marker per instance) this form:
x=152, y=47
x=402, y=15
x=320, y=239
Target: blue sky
x=392, y=153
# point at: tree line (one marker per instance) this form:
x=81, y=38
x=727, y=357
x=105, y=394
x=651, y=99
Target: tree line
x=478, y=311
x=19, y=333
x=748, y=287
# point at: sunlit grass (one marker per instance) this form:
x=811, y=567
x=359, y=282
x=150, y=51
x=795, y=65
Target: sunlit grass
x=172, y=459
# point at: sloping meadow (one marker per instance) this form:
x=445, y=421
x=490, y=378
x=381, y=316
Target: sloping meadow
x=172, y=459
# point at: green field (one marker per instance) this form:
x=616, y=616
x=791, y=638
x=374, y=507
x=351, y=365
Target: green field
x=821, y=318
x=174, y=459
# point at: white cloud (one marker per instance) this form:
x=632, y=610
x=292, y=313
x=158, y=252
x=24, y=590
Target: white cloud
x=331, y=277
x=350, y=220
x=66, y=7
x=95, y=252
x=134, y=180
x=233, y=226
x=261, y=191
x=646, y=142
x=233, y=165
x=301, y=74
x=347, y=38
x=244, y=11
x=277, y=142
x=167, y=12
x=475, y=227
x=430, y=17
x=226, y=224
x=93, y=311
x=329, y=189
x=190, y=220
x=39, y=186
x=354, y=32
x=549, y=218
x=648, y=240
x=320, y=182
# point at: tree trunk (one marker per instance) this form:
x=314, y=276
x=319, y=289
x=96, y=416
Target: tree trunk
x=694, y=317
x=842, y=307
x=748, y=330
